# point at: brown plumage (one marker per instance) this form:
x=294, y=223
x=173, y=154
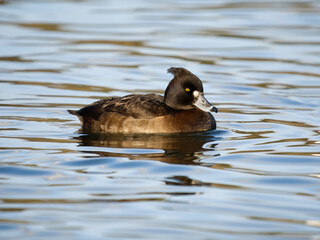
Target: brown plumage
x=178, y=111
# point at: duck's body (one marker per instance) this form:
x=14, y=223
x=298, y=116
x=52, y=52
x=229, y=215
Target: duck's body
x=152, y=113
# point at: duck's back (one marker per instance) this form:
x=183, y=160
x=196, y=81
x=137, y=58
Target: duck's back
x=138, y=106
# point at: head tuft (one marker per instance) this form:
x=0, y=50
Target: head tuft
x=178, y=71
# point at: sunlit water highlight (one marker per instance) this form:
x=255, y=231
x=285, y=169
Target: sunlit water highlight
x=255, y=177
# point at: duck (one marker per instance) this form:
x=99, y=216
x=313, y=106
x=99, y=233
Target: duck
x=183, y=108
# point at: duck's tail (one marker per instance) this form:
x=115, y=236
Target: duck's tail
x=73, y=112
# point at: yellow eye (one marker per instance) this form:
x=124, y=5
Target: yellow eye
x=187, y=89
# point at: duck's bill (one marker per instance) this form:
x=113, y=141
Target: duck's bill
x=202, y=103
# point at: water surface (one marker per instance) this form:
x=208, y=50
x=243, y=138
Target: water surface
x=255, y=177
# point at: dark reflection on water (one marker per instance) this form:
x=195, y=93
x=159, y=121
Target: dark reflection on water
x=256, y=177
x=174, y=148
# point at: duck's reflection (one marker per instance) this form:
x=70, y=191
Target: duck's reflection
x=177, y=149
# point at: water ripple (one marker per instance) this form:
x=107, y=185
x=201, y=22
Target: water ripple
x=255, y=177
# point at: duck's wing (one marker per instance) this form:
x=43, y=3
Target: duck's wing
x=135, y=105
x=138, y=106
x=92, y=111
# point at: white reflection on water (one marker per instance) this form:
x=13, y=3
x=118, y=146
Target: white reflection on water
x=257, y=176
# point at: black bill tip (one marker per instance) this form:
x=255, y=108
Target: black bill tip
x=214, y=109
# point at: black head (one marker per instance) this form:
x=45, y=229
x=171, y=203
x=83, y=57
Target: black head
x=185, y=91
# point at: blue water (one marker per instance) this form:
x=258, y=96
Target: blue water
x=256, y=177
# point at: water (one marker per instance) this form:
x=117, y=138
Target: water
x=255, y=177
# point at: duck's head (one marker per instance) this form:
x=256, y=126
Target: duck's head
x=185, y=91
